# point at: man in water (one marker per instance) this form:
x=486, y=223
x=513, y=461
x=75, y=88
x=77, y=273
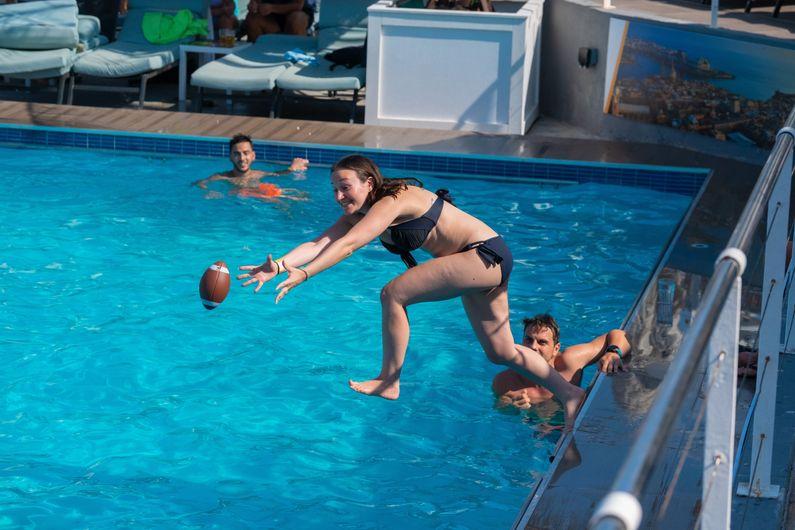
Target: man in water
x=542, y=334
x=246, y=182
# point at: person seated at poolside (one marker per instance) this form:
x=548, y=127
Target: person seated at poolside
x=542, y=334
x=293, y=17
x=246, y=182
x=469, y=260
x=223, y=12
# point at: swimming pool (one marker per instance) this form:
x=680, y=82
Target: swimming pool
x=127, y=404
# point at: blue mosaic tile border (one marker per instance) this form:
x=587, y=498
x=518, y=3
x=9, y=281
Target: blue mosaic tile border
x=684, y=181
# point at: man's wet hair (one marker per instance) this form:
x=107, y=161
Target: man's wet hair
x=238, y=139
x=544, y=320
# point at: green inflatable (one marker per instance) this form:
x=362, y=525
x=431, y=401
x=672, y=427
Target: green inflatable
x=164, y=28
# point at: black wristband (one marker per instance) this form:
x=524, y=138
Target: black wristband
x=615, y=349
x=305, y=274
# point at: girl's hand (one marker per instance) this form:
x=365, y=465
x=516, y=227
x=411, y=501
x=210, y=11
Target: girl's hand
x=295, y=277
x=259, y=273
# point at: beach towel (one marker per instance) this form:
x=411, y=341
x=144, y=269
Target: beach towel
x=164, y=28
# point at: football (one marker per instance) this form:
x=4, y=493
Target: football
x=214, y=285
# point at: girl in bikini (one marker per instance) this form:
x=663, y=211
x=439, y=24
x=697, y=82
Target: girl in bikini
x=470, y=261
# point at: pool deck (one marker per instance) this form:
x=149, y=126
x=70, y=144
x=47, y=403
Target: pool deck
x=732, y=17
x=548, y=138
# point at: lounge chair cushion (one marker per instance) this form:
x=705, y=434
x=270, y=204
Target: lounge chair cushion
x=280, y=43
x=329, y=39
x=124, y=59
x=92, y=43
x=350, y=13
x=249, y=70
x=35, y=64
x=87, y=27
x=89, y=30
x=42, y=25
x=319, y=76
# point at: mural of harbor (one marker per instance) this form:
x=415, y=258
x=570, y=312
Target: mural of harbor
x=725, y=88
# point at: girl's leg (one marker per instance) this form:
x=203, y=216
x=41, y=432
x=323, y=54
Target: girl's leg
x=489, y=315
x=437, y=279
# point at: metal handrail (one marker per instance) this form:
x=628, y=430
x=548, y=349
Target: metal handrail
x=655, y=429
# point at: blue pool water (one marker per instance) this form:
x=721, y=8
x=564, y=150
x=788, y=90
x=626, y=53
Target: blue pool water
x=126, y=404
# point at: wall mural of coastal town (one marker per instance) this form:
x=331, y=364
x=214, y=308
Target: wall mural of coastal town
x=728, y=89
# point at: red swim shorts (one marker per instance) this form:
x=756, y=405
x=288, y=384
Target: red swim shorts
x=263, y=190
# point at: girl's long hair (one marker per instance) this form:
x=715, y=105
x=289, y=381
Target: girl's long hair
x=382, y=187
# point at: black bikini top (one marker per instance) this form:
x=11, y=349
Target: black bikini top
x=411, y=234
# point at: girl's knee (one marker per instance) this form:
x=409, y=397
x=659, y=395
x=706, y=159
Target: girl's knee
x=390, y=294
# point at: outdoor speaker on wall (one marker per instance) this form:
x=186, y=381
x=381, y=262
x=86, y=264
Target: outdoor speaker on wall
x=587, y=57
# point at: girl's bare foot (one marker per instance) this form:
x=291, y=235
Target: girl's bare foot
x=377, y=387
x=571, y=406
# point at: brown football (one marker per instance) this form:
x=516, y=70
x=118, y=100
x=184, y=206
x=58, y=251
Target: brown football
x=214, y=285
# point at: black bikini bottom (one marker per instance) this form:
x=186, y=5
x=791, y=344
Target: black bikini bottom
x=494, y=251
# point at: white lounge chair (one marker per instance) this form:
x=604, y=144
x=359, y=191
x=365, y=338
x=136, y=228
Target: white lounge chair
x=261, y=66
x=131, y=55
x=41, y=40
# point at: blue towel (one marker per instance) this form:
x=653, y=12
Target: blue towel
x=297, y=55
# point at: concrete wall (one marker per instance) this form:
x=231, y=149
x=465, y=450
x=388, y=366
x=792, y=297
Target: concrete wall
x=576, y=95
x=568, y=92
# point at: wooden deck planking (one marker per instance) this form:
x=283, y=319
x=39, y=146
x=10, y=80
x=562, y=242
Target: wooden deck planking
x=152, y=121
x=233, y=125
x=217, y=125
x=548, y=139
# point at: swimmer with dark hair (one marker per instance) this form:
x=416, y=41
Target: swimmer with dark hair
x=542, y=334
x=246, y=182
x=469, y=261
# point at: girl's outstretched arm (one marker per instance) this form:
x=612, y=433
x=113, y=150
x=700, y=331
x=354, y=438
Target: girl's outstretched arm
x=303, y=253
x=377, y=219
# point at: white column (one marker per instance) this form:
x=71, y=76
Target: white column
x=770, y=340
x=721, y=403
x=714, y=13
